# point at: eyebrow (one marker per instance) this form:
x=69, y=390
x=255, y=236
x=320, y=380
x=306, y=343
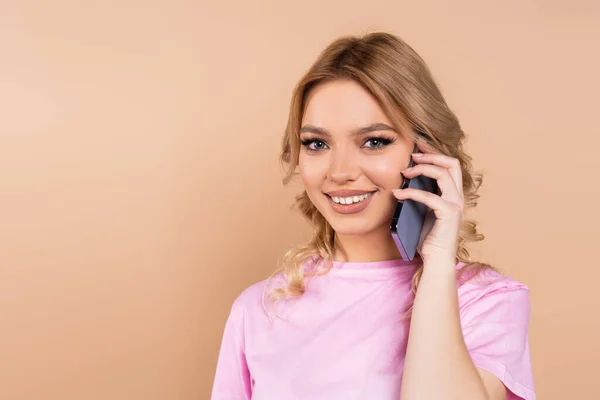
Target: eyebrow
x=361, y=131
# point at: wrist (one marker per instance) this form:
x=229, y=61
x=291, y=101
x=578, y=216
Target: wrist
x=444, y=267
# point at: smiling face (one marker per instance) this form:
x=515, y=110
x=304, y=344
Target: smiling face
x=351, y=158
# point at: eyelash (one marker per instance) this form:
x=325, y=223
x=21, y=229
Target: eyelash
x=384, y=142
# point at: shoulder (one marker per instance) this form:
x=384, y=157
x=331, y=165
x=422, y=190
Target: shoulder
x=250, y=301
x=488, y=282
x=491, y=293
x=249, y=297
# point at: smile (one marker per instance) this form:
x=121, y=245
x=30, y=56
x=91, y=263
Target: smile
x=351, y=199
x=350, y=204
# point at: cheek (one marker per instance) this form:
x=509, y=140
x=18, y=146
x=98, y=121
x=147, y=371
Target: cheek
x=387, y=173
x=313, y=170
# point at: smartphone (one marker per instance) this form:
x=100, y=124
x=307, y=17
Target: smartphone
x=409, y=215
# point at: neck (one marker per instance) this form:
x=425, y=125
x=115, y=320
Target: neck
x=374, y=246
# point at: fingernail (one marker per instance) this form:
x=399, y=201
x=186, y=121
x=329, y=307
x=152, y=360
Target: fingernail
x=417, y=155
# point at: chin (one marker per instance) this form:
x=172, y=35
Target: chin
x=352, y=228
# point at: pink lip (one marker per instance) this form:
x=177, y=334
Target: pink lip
x=350, y=208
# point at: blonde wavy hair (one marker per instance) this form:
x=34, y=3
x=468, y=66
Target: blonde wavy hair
x=399, y=79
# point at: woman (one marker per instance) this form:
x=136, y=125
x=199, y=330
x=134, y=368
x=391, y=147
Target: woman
x=353, y=319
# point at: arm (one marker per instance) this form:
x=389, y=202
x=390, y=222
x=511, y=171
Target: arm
x=438, y=364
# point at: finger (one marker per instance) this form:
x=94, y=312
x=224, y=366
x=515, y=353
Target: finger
x=441, y=207
x=442, y=176
x=442, y=160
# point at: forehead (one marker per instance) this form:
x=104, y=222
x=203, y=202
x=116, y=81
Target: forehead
x=342, y=105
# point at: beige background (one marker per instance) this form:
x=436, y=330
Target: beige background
x=140, y=190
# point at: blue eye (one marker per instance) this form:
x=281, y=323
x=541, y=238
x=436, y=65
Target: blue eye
x=372, y=143
x=377, y=142
x=314, y=144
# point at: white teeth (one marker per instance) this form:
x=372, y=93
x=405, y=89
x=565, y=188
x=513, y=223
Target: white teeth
x=350, y=200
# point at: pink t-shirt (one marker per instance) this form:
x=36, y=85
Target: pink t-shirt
x=344, y=338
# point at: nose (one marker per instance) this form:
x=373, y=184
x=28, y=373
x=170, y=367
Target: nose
x=343, y=167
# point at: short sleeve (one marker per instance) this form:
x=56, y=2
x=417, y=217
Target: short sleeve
x=232, y=377
x=495, y=323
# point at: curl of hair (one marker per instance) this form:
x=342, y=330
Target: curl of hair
x=398, y=78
